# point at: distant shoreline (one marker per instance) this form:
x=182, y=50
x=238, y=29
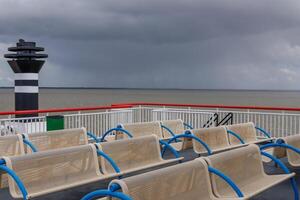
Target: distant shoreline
x=102, y=88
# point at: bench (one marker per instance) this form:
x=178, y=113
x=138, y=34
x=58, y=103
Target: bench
x=57, y=139
x=170, y=128
x=293, y=156
x=134, y=154
x=188, y=180
x=45, y=172
x=215, y=137
x=163, y=130
x=221, y=176
x=248, y=133
x=245, y=168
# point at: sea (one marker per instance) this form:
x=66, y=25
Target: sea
x=82, y=97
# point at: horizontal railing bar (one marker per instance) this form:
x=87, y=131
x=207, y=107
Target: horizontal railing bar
x=100, y=113
x=25, y=112
x=211, y=106
x=183, y=111
x=130, y=105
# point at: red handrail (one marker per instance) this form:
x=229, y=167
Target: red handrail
x=211, y=106
x=25, y=112
x=130, y=105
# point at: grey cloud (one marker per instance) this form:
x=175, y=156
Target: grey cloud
x=240, y=44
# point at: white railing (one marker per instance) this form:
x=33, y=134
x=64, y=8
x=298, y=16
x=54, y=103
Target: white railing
x=279, y=123
x=195, y=118
x=22, y=125
x=99, y=123
x=143, y=114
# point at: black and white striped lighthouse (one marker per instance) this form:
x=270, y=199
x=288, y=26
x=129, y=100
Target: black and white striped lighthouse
x=26, y=64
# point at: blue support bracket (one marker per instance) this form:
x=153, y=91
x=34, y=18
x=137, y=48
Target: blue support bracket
x=286, y=170
x=110, y=192
x=170, y=131
x=236, y=136
x=110, y=160
x=114, y=187
x=186, y=135
x=28, y=143
x=268, y=135
x=167, y=145
x=271, y=145
x=18, y=181
x=115, y=129
x=226, y=179
x=103, y=193
x=93, y=136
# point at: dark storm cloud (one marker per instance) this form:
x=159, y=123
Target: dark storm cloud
x=249, y=44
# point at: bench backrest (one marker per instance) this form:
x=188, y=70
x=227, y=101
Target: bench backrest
x=44, y=141
x=293, y=157
x=189, y=180
x=131, y=153
x=176, y=126
x=143, y=129
x=214, y=137
x=242, y=165
x=50, y=171
x=247, y=132
x=11, y=145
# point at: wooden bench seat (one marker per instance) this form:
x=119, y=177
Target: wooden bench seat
x=216, y=138
x=133, y=154
x=51, y=171
x=247, y=132
x=245, y=167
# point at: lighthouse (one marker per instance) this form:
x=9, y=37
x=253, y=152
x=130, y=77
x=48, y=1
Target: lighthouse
x=26, y=63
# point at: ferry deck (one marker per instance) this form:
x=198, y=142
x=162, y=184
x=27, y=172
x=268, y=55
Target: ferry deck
x=279, y=122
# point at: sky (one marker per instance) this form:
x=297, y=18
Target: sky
x=186, y=44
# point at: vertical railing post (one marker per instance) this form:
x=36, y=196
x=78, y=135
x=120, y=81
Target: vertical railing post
x=248, y=115
x=283, y=131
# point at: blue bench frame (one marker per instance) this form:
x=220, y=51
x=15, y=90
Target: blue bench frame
x=280, y=164
x=188, y=134
x=93, y=136
x=115, y=129
x=115, y=187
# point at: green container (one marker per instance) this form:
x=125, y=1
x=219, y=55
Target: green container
x=55, y=122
